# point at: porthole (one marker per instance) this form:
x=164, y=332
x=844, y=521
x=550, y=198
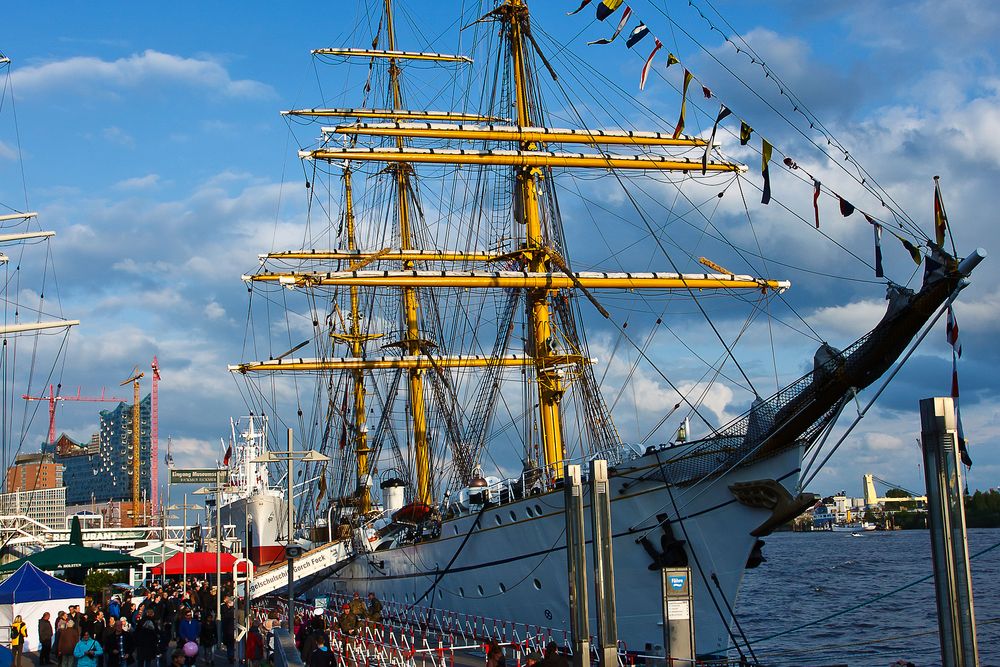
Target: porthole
x=538, y=510
x=456, y=529
x=480, y=589
x=537, y=584
x=513, y=517
x=498, y=519
x=529, y=511
x=461, y=592
x=503, y=589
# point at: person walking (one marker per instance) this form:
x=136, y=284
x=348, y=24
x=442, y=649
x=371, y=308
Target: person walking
x=374, y=609
x=69, y=637
x=147, y=640
x=494, y=655
x=45, y=639
x=229, y=629
x=321, y=656
x=189, y=630
x=18, y=633
x=87, y=650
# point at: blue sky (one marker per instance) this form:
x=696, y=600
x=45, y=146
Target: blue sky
x=152, y=144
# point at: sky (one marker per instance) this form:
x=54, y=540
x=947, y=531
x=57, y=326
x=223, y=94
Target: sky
x=152, y=143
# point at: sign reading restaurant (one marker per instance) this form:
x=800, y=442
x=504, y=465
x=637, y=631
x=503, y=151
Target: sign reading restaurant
x=198, y=476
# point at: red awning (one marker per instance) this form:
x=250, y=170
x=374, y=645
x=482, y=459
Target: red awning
x=200, y=562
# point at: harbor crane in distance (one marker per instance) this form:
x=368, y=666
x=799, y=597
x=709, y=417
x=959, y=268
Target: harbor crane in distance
x=53, y=398
x=154, y=433
x=134, y=379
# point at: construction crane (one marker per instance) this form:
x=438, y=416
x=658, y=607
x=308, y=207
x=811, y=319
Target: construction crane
x=154, y=431
x=53, y=399
x=134, y=379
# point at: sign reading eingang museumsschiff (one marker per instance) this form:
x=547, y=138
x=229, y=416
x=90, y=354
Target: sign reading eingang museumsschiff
x=198, y=476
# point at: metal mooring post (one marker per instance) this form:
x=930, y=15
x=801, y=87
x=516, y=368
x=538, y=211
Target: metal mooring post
x=604, y=571
x=949, y=546
x=576, y=563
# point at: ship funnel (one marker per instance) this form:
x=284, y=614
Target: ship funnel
x=392, y=494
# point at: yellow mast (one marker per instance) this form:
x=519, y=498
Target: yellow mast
x=550, y=384
x=543, y=274
x=356, y=339
x=411, y=306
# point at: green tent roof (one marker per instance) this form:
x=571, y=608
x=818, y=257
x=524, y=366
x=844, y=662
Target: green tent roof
x=67, y=556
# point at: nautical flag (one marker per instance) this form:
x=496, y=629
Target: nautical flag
x=621, y=26
x=229, y=455
x=607, y=8
x=879, y=272
x=672, y=60
x=951, y=331
x=322, y=488
x=816, y=189
x=723, y=112
x=963, y=444
x=765, y=153
x=579, y=9
x=637, y=35
x=707, y=92
x=680, y=121
x=940, y=217
x=649, y=61
x=745, y=132
x=846, y=207
x=910, y=248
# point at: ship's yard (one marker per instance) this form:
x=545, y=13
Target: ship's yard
x=547, y=347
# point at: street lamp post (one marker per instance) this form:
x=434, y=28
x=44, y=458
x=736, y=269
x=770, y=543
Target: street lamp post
x=217, y=492
x=184, y=507
x=292, y=550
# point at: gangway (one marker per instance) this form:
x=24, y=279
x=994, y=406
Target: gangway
x=309, y=568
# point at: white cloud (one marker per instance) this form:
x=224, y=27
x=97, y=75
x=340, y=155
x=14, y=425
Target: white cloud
x=7, y=152
x=138, y=183
x=136, y=71
x=117, y=135
x=849, y=320
x=214, y=311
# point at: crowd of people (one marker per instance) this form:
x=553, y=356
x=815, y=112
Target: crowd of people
x=167, y=623
x=312, y=634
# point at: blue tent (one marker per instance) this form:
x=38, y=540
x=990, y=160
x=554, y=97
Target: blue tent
x=29, y=584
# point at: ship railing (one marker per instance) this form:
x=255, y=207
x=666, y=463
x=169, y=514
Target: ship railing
x=411, y=625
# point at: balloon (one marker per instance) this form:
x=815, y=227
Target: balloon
x=190, y=649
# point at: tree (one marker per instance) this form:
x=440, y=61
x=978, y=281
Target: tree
x=97, y=581
x=896, y=493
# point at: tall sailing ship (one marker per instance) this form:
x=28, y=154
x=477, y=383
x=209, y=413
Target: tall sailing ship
x=452, y=263
x=33, y=330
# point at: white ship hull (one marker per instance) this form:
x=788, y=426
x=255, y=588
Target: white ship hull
x=259, y=521
x=514, y=565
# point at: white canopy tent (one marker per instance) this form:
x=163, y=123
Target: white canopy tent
x=29, y=592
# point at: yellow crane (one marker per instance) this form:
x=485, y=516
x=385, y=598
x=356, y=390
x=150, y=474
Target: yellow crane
x=134, y=379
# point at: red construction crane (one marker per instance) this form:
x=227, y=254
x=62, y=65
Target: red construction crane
x=154, y=431
x=53, y=397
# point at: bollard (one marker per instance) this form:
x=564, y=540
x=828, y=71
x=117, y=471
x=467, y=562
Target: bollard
x=949, y=545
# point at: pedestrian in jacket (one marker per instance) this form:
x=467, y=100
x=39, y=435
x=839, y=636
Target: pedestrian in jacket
x=189, y=630
x=45, y=639
x=87, y=650
x=69, y=637
x=147, y=638
x=18, y=633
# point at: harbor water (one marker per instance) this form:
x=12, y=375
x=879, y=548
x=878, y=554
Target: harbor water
x=809, y=577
